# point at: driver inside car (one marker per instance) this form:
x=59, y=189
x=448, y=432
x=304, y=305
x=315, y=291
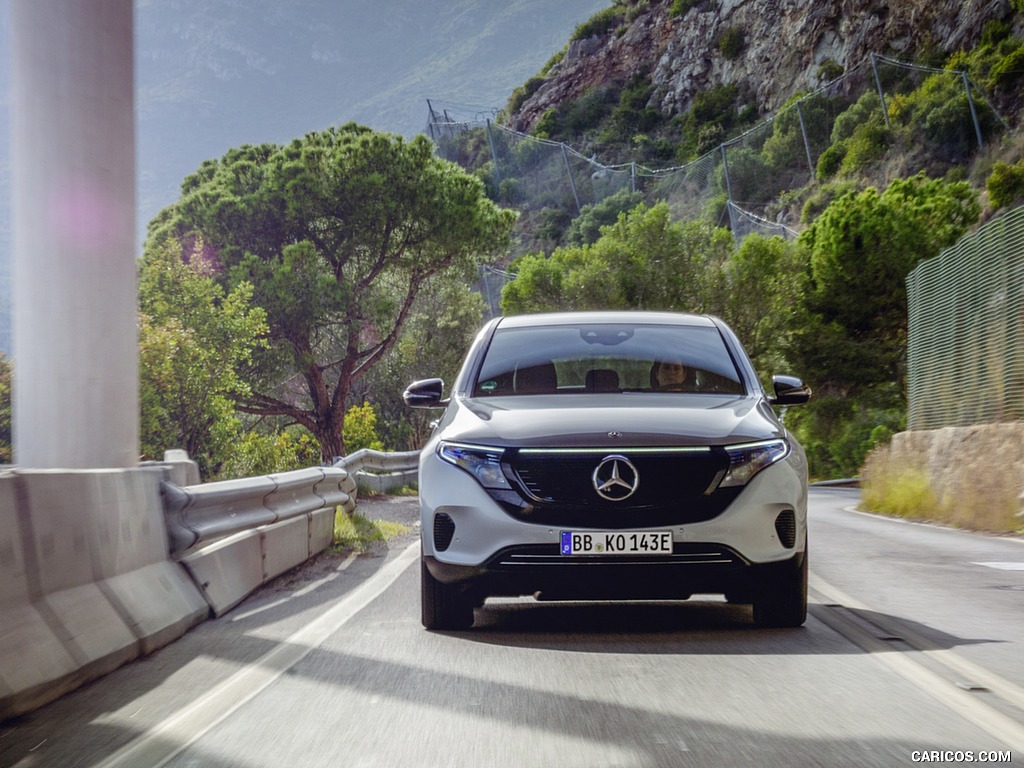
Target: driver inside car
x=669, y=375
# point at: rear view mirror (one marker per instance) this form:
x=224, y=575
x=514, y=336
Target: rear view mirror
x=425, y=394
x=789, y=390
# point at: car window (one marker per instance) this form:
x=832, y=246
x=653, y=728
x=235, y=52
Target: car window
x=602, y=358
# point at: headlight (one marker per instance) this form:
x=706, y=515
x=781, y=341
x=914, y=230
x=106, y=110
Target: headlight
x=481, y=462
x=745, y=461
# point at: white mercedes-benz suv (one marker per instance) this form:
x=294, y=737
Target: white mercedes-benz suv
x=611, y=456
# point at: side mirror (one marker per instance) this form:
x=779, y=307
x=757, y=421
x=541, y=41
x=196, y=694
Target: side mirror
x=789, y=390
x=425, y=394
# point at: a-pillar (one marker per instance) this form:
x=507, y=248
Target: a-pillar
x=75, y=400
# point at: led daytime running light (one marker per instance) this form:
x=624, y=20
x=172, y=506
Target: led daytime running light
x=482, y=462
x=745, y=461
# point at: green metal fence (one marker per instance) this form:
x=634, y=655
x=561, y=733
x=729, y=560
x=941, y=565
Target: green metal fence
x=965, y=345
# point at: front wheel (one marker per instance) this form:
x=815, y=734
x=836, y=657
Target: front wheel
x=781, y=600
x=443, y=605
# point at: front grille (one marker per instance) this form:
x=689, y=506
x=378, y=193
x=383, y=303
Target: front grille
x=444, y=531
x=674, y=486
x=785, y=527
x=683, y=554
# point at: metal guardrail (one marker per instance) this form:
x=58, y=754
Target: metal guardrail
x=368, y=460
x=380, y=471
x=199, y=514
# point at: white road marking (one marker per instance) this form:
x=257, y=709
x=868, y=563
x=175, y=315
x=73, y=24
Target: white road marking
x=1004, y=566
x=300, y=592
x=164, y=741
x=932, y=525
x=968, y=706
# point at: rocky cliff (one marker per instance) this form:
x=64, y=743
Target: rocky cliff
x=787, y=46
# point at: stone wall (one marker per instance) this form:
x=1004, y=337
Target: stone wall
x=975, y=473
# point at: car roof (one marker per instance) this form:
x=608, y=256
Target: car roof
x=614, y=316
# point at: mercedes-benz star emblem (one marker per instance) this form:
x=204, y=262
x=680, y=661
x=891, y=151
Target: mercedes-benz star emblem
x=615, y=478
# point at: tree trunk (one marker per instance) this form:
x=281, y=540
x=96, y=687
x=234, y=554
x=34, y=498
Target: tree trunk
x=331, y=437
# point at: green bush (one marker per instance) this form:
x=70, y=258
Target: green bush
x=784, y=150
x=830, y=70
x=586, y=228
x=631, y=115
x=1007, y=71
x=749, y=177
x=709, y=137
x=639, y=7
x=549, y=125
x=262, y=454
x=940, y=112
x=528, y=157
x=510, y=191
x=839, y=435
x=553, y=224
x=716, y=208
x=713, y=107
x=361, y=429
x=1005, y=185
x=995, y=31
x=486, y=174
x=730, y=44
x=588, y=110
x=572, y=118
x=831, y=160
x=866, y=147
x=822, y=197
x=600, y=23
x=682, y=7
x=554, y=60
x=867, y=107
x=523, y=92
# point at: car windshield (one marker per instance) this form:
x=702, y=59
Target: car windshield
x=593, y=358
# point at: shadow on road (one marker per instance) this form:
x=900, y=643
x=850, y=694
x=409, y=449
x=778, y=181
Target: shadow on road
x=696, y=626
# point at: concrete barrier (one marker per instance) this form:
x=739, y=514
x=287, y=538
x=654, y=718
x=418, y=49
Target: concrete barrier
x=87, y=583
x=230, y=569
x=234, y=536
x=31, y=656
x=98, y=567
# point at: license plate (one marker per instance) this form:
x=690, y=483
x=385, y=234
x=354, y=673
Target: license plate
x=616, y=542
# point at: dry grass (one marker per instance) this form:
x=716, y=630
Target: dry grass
x=969, y=478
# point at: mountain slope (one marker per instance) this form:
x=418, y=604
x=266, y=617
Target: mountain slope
x=781, y=47
x=784, y=47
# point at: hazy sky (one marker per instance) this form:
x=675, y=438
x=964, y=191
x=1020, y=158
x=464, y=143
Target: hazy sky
x=215, y=74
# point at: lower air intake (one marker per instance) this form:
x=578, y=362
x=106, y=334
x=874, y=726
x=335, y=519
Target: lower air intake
x=444, y=531
x=785, y=527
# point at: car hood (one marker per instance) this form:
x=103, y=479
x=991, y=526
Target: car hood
x=593, y=420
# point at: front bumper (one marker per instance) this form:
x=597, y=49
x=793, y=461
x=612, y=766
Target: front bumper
x=487, y=550
x=689, y=571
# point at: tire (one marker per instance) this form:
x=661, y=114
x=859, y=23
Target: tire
x=782, y=599
x=443, y=605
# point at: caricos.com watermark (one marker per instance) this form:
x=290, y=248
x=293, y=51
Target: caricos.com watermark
x=960, y=756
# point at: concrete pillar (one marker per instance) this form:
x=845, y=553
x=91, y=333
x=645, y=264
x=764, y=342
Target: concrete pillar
x=75, y=354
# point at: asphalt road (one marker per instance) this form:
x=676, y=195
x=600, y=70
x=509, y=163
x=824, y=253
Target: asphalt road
x=913, y=644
